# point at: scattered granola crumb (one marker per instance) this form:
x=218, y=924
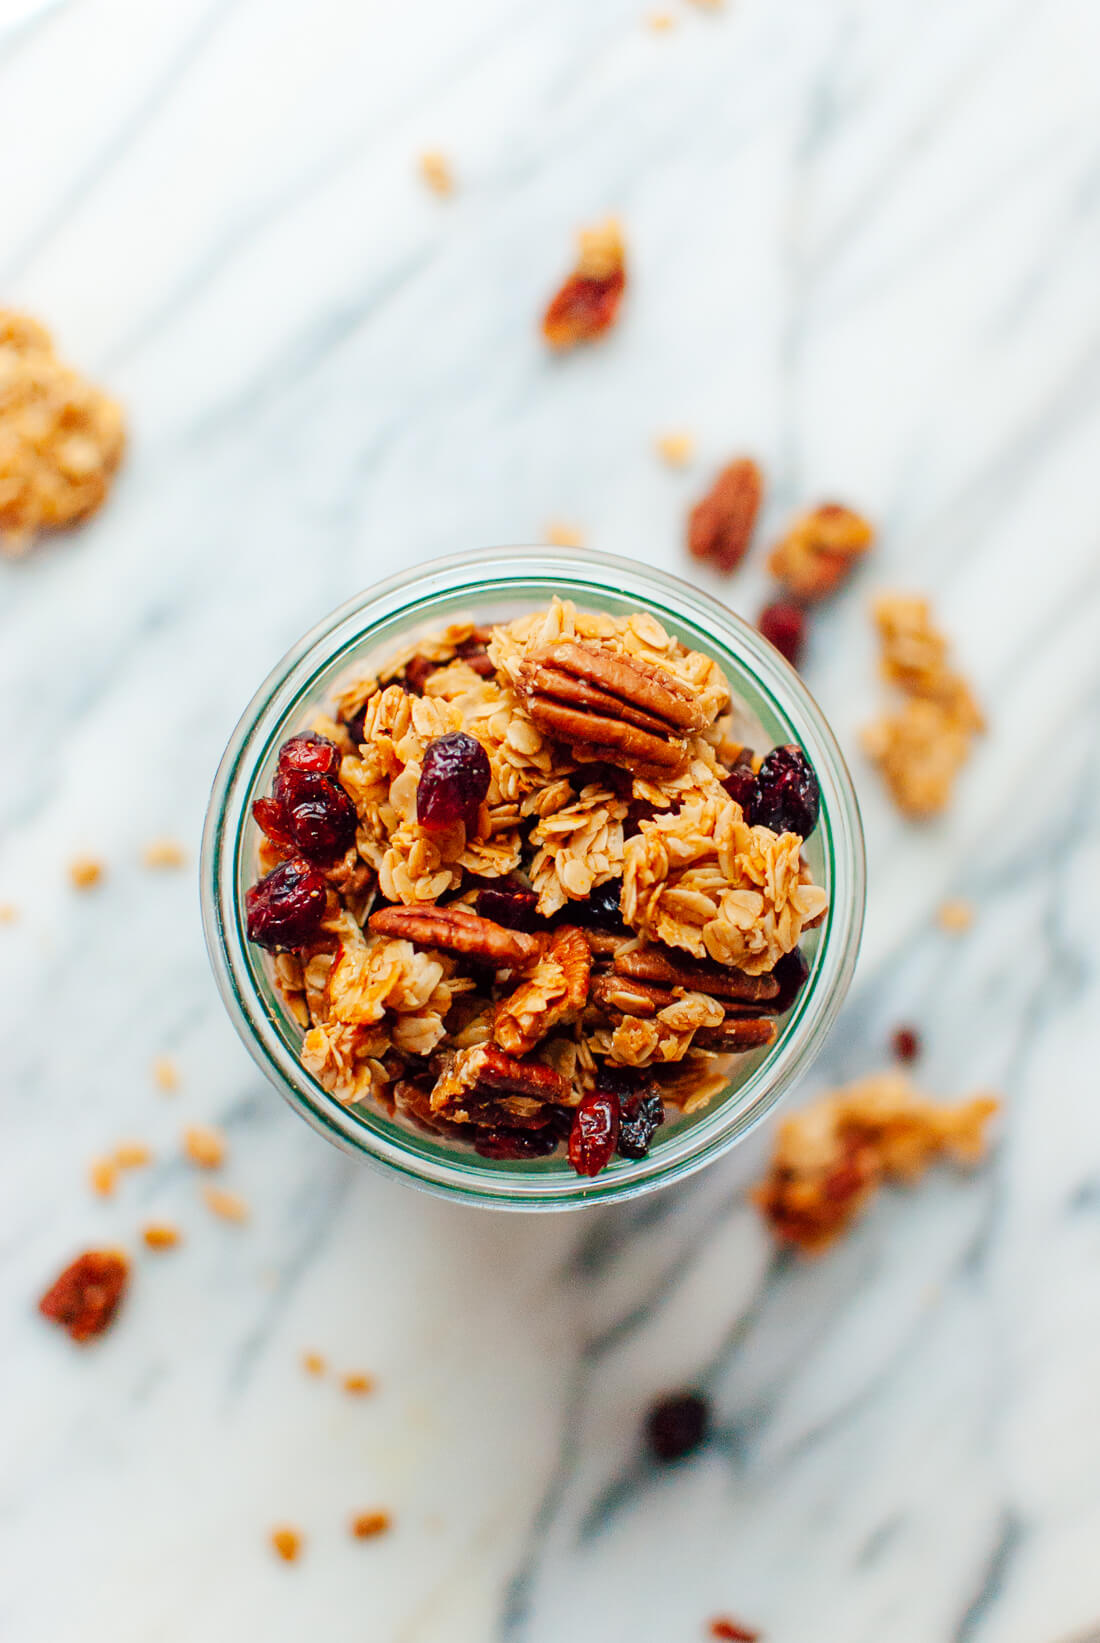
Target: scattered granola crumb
x=164, y=853
x=709, y=5
x=561, y=535
x=165, y=1073
x=731, y=1631
x=204, y=1145
x=956, y=916
x=358, y=1384
x=436, y=171
x=830, y=1159
x=587, y=305
x=160, y=1235
x=365, y=1525
x=313, y=1363
x=906, y=1044
x=132, y=1154
x=920, y=748
x=287, y=1543
x=103, y=1175
x=720, y=526
x=661, y=21
x=85, y=872
x=229, y=1206
x=676, y=449
x=819, y=551
x=8, y=912
x=61, y=439
x=85, y=1298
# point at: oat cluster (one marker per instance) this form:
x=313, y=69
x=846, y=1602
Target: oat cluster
x=832, y=1157
x=920, y=747
x=61, y=439
x=606, y=908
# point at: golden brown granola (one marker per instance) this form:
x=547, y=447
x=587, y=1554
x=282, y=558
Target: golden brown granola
x=287, y=1543
x=61, y=439
x=436, y=171
x=955, y=916
x=920, y=748
x=366, y=1525
x=165, y=1074
x=204, y=1146
x=227, y=1206
x=160, y=1235
x=85, y=872
x=587, y=304
x=601, y=904
x=819, y=551
x=164, y=853
x=831, y=1158
x=675, y=449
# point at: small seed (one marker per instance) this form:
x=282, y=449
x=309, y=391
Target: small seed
x=230, y=1206
x=161, y=1235
x=204, y=1145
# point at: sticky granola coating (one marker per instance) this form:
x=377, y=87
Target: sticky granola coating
x=604, y=912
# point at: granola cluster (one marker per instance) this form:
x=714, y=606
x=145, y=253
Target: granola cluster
x=921, y=747
x=832, y=1157
x=521, y=887
x=61, y=439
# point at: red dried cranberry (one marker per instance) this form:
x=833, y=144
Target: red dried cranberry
x=742, y=786
x=310, y=752
x=507, y=904
x=286, y=907
x=641, y=1117
x=788, y=798
x=595, y=1132
x=731, y=1631
x=320, y=817
x=601, y=910
x=676, y=1425
x=272, y=818
x=783, y=625
x=516, y=1143
x=418, y=670
x=454, y=780
x=906, y=1043
x=791, y=972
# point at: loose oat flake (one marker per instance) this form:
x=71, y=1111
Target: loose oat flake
x=160, y=1235
x=436, y=171
x=586, y=933
x=204, y=1146
x=227, y=1206
x=830, y=1159
x=164, y=853
x=61, y=439
x=367, y=1525
x=562, y=535
x=165, y=1074
x=85, y=872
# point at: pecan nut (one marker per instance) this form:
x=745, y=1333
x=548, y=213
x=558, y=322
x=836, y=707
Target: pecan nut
x=459, y=930
x=484, y=1086
x=721, y=525
x=628, y=997
x=648, y=964
x=737, y=1033
x=556, y=990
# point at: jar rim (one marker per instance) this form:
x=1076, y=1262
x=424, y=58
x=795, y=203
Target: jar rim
x=411, y=597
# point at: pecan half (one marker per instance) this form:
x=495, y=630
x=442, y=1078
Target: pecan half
x=592, y=736
x=737, y=1033
x=618, y=992
x=458, y=930
x=482, y=1085
x=721, y=525
x=649, y=965
x=556, y=990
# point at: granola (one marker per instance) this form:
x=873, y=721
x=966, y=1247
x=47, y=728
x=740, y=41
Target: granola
x=831, y=1158
x=820, y=551
x=586, y=306
x=61, y=439
x=921, y=747
x=567, y=882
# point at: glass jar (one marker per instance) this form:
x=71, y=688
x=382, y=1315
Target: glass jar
x=493, y=586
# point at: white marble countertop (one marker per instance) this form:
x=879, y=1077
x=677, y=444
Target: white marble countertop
x=865, y=237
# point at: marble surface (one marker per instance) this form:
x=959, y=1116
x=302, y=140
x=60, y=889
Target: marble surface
x=865, y=236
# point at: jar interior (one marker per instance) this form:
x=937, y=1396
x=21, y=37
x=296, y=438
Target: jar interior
x=363, y=652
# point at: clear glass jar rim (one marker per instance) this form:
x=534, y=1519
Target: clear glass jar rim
x=494, y=572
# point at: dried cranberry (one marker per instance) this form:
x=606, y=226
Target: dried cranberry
x=789, y=799
x=418, y=670
x=507, y=904
x=731, y=1631
x=310, y=752
x=286, y=907
x=906, y=1043
x=791, y=972
x=320, y=817
x=783, y=625
x=516, y=1143
x=454, y=780
x=594, y=1133
x=601, y=910
x=676, y=1425
x=742, y=786
x=641, y=1117
x=272, y=818
x=85, y=1298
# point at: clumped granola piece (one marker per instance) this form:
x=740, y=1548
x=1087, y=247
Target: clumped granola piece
x=61, y=439
x=160, y=1235
x=819, y=551
x=561, y=534
x=720, y=526
x=675, y=449
x=921, y=747
x=832, y=1157
x=287, y=1543
x=596, y=914
x=587, y=305
x=85, y=872
x=368, y=1525
x=357, y=1384
x=435, y=169
x=86, y=1296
